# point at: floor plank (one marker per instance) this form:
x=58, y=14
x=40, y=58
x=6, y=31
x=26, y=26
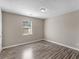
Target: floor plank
x=39, y=50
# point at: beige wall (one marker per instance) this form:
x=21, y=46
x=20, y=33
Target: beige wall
x=0, y=30
x=63, y=29
x=12, y=29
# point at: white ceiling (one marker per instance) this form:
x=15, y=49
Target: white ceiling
x=32, y=7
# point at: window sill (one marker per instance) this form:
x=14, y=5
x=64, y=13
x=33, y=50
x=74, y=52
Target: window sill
x=27, y=34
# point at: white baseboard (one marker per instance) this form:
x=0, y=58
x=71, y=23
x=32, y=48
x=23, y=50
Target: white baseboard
x=21, y=44
x=40, y=40
x=62, y=45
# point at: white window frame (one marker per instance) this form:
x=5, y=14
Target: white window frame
x=29, y=28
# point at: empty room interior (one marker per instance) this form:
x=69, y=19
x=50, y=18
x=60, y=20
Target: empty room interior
x=39, y=29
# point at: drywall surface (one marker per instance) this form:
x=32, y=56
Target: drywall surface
x=63, y=29
x=0, y=30
x=13, y=29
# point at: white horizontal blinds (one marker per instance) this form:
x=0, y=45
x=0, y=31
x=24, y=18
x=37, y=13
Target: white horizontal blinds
x=27, y=27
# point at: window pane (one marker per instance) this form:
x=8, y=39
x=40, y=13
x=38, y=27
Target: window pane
x=27, y=27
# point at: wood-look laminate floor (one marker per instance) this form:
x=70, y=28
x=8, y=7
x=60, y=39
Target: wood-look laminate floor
x=39, y=50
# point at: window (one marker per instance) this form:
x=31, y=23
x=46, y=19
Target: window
x=27, y=27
